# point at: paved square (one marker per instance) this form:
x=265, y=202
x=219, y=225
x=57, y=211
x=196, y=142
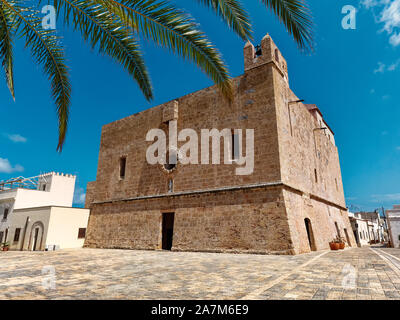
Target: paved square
x=360, y=273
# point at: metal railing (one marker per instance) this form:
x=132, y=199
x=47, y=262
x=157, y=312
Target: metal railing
x=22, y=182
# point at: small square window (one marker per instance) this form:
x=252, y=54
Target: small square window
x=82, y=233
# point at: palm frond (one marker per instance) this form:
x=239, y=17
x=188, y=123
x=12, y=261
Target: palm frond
x=99, y=27
x=296, y=17
x=7, y=30
x=175, y=30
x=48, y=52
x=234, y=15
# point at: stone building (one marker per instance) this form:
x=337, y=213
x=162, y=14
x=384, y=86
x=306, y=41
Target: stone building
x=291, y=202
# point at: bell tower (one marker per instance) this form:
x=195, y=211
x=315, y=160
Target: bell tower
x=265, y=53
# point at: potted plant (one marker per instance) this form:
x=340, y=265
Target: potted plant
x=341, y=242
x=334, y=245
x=5, y=246
x=337, y=243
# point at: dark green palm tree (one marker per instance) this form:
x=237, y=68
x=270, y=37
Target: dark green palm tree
x=115, y=27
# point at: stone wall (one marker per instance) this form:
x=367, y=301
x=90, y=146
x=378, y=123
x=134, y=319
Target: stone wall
x=322, y=216
x=243, y=220
x=90, y=193
x=309, y=160
x=310, y=167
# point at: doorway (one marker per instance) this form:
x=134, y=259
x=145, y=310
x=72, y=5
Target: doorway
x=337, y=230
x=35, y=239
x=310, y=234
x=357, y=238
x=167, y=230
x=347, y=237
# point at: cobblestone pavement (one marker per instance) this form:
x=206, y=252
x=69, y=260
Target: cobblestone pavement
x=360, y=273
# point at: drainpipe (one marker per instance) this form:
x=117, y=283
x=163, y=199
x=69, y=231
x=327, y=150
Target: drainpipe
x=25, y=229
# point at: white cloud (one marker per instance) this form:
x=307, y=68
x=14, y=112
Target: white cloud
x=388, y=14
x=368, y=4
x=394, y=39
x=393, y=197
x=79, y=196
x=395, y=65
x=6, y=167
x=16, y=138
x=381, y=68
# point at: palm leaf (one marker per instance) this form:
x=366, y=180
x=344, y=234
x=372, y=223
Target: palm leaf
x=100, y=28
x=234, y=15
x=46, y=49
x=7, y=30
x=296, y=17
x=175, y=30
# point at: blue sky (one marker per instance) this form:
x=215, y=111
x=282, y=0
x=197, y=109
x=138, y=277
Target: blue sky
x=353, y=76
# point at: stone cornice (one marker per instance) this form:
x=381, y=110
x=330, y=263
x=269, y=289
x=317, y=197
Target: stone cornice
x=224, y=189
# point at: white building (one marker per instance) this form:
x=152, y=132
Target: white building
x=360, y=229
x=368, y=227
x=393, y=217
x=36, y=213
x=376, y=226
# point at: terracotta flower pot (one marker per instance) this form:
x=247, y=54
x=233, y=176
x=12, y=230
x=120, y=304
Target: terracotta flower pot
x=5, y=248
x=334, y=245
x=341, y=245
